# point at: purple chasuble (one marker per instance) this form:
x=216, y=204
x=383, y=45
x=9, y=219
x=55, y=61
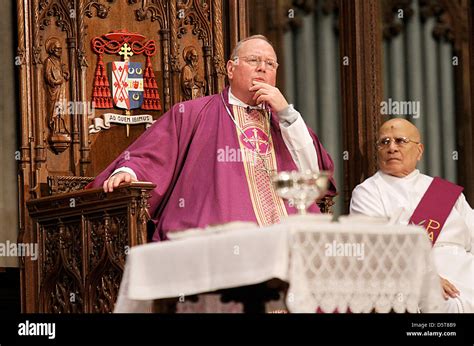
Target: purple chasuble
x=182, y=154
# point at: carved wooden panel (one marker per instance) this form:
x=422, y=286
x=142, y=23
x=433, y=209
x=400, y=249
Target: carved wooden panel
x=106, y=258
x=82, y=246
x=61, y=285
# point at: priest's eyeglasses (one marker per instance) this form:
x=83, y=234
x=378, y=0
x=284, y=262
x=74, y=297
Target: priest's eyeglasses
x=399, y=142
x=253, y=60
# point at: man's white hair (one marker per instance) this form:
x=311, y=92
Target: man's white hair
x=235, y=51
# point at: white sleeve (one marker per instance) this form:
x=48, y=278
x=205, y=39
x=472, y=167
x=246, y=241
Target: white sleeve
x=366, y=202
x=300, y=144
x=125, y=170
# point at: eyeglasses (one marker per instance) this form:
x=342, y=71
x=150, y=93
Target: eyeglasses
x=399, y=142
x=253, y=60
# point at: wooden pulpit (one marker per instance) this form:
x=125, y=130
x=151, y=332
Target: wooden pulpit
x=83, y=239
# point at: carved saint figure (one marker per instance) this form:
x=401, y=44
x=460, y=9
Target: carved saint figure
x=192, y=84
x=56, y=76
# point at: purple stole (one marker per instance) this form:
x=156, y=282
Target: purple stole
x=435, y=206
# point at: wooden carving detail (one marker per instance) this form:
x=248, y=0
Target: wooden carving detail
x=97, y=244
x=101, y=10
x=62, y=288
x=193, y=28
x=62, y=10
x=56, y=76
x=107, y=260
x=21, y=50
x=51, y=252
x=107, y=240
x=62, y=184
x=65, y=297
x=140, y=208
x=87, y=9
x=196, y=14
x=155, y=10
x=174, y=56
x=192, y=84
x=106, y=291
x=218, y=57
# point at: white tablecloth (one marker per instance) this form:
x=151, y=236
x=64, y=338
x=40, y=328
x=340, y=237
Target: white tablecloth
x=360, y=266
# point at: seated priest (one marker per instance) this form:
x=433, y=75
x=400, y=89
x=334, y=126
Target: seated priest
x=399, y=190
x=212, y=158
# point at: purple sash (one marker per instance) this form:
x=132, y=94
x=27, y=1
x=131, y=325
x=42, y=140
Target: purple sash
x=435, y=206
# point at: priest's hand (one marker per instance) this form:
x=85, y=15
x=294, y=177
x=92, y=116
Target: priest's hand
x=267, y=93
x=116, y=179
x=449, y=290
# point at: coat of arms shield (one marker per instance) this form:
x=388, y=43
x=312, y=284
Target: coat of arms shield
x=127, y=84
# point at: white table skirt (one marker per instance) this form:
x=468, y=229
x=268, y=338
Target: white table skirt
x=394, y=270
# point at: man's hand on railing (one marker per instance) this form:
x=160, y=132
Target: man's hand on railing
x=116, y=179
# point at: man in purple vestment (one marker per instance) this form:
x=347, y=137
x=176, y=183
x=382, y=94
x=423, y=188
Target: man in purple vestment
x=211, y=158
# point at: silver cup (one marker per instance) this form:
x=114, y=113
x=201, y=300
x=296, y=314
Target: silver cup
x=301, y=189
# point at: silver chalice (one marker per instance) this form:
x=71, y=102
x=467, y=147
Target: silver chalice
x=301, y=189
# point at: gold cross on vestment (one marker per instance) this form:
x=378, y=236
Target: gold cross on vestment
x=256, y=141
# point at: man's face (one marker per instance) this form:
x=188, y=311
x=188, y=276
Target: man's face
x=399, y=160
x=242, y=74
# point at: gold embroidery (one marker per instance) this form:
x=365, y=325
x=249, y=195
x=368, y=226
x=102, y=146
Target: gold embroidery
x=269, y=208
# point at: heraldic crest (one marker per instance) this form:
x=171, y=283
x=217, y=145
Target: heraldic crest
x=124, y=84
